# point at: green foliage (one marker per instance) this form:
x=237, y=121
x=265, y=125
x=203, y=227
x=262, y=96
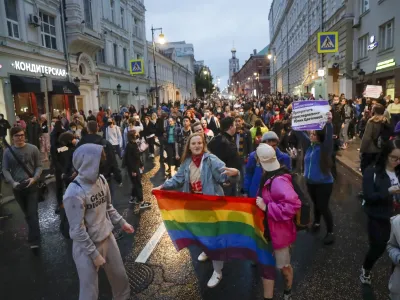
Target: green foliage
x=203, y=82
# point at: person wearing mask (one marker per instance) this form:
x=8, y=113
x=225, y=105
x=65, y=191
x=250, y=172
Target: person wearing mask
x=19, y=123
x=257, y=132
x=393, y=249
x=135, y=169
x=212, y=122
x=203, y=173
x=317, y=172
x=33, y=132
x=56, y=153
x=73, y=128
x=92, y=217
x=171, y=144
x=218, y=113
x=134, y=124
x=224, y=147
x=24, y=187
x=381, y=192
x=394, y=111
x=4, y=126
x=68, y=144
x=370, y=147
x=114, y=136
x=44, y=138
x=90, y=117
x=281, y=203
x=253, y=173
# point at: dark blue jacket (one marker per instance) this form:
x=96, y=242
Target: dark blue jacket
x=254, y=171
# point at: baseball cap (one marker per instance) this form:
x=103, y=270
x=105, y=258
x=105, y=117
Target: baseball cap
x=270, y=135
x=267, y=157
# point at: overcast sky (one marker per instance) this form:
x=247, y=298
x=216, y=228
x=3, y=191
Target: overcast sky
x=212, y=26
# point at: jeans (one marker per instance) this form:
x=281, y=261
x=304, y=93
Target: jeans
x=27, y=199
x=378, y=234
x=137, y=188
x=320, y=195
x=345, y=130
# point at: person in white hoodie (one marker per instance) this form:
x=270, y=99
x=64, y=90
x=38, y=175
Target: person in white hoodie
x=91, y=216
x=114, y=136
x=393, y=248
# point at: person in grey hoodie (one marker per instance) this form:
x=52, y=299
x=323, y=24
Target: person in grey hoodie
x=91, y=216
x=393, y=248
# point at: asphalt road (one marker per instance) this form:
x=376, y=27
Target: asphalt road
x=321, y=272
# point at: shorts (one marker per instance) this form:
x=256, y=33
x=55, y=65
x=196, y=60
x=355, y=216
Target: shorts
x=282, y=257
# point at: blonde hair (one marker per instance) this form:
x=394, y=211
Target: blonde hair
x=187, y=153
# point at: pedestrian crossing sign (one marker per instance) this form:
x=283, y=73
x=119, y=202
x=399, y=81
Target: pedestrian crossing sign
x=328, y=42
x=136, y=66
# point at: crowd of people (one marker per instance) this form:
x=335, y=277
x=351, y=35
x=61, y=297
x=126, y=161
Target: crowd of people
x=245, y=147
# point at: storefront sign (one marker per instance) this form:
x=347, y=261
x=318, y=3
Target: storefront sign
x=386, y=64
x=310, y=115
x=373, y=91
x=37, y=68
x=373, y=44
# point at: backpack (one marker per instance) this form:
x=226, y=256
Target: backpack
x=64, y=224
x=384, y=135
x=302, y=219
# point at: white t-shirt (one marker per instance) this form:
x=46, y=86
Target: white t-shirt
x=394, y=181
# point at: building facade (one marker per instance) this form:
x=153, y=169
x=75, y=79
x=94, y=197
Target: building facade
x=295, y=62
x=376, y=48
x=233, y=65
x=175, y=81
x=253, y=79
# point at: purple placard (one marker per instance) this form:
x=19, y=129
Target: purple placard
x=310, y=114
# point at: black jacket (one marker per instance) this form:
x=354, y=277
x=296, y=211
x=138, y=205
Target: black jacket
x=247, y=142
x=33, y=132
x=54, y=145
x=4, y=126
x=338, y=118
x=224, y=147
x=110, y=166
x=149, y=129
x=160, y=128
x=66, y=162
x=378, y=202
x=132, y=158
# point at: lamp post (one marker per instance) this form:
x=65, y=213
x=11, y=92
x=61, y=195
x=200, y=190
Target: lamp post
x=161, y=41
x=117, y=92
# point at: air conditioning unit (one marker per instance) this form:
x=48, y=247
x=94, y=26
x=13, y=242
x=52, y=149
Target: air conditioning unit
x=34, y=20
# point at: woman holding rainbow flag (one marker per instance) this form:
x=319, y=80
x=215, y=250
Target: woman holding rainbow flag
x=202, y=173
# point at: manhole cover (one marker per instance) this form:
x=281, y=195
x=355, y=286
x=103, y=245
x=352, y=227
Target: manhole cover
x=140, y=276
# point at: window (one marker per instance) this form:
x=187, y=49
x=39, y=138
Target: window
x=12, y=18
x=386, y=35
x=101, y=58
x=364, y=6
x=87, y=7
x=138, y=56
x=125, y=58
x=48, y=28
x=363, y=46
x=116, y=55
x=122, y=17
x=112, y=4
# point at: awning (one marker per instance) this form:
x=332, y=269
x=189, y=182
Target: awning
x=21, y=84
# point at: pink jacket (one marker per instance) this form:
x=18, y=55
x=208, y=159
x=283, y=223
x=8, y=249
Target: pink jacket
x=283, y=204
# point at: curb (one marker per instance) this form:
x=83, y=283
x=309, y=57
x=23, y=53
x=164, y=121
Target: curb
x=355, y=172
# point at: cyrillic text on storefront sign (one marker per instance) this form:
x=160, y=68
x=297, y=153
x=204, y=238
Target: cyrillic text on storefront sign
x=37, y=68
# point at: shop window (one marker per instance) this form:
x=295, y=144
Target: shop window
x=363, y=46
x=48, y=28
x=12, y=18
x=386, y=35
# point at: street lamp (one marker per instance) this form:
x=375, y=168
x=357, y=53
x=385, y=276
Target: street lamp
x=77, y=81
x=162, y=41
x=361, y=75
x=269, y=55
x=117, y=92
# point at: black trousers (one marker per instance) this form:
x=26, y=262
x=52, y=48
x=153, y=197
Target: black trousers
x=27, y=199
x=171, y=154
x=137, y=188
x=378, y=235
x=117, y=150
x=320, y=195
x=150, y=141
x=59, y=186
x=367, y=159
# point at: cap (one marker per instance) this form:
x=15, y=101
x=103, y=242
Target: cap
x=270, y=135
x=397, y=128
x=267, y=157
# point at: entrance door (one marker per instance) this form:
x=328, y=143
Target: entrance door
x=79, y=102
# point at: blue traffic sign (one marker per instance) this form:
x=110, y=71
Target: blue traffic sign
x=328, y=42
x=136, y=66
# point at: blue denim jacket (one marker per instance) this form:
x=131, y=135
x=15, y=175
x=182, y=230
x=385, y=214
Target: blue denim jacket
x=211, y=177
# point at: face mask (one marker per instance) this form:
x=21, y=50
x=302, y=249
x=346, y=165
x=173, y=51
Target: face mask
x=206, y=115
x=218, y=110
x=241, y=113
x=17, y=119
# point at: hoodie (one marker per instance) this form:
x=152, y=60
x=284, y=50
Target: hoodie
x=87, y=202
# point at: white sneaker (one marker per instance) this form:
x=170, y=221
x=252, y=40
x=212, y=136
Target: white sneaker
x=202, y=257
x=214, y=280
x=151, y=155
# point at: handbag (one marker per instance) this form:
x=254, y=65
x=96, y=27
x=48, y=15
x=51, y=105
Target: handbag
x=142, y=145
x=41, y=185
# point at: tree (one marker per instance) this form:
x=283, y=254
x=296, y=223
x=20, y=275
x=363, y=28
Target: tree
x=203, y=82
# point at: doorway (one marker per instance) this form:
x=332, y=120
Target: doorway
x=79, y=102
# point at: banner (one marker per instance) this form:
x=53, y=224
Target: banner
x=373, y=91
x=225, y=228
x=310, y=115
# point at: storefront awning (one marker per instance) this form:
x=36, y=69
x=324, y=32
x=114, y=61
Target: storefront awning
x=21, y=84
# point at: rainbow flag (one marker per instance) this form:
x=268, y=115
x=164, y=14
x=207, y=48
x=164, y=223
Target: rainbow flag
x=225, y=228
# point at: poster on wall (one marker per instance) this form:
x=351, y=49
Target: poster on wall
x=373, y=91
x=310, y=115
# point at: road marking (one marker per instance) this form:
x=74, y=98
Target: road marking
x=151, y=245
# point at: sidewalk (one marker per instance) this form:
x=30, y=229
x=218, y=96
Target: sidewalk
x=350, y=158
